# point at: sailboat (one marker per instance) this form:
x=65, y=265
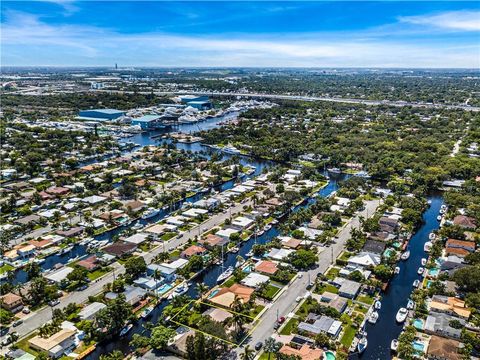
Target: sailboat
x=225, y=274
x=240, y=261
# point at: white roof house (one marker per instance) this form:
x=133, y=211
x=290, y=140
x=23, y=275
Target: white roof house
x=365, y=259
x=59, y=275
x=310, y=233
x=89, y=311
x=176, y=220
x=159, y=229
x=254, y=280
x=177, y=264
x=242, y=222
x=279, y=254
x=136, y=238
x=193, y=213
x=225, y=233
x=94, y=199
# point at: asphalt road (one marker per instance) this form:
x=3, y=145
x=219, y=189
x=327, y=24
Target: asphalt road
x=286, y=303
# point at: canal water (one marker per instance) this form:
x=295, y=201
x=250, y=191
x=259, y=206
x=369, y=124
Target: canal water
x=398, y=292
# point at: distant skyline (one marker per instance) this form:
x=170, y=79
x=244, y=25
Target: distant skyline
x=241, y=34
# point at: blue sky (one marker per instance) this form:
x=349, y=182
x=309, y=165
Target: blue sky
x=282, y=34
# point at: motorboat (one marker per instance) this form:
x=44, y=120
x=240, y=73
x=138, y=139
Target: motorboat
x=274, y=222
x=420, y=270
x=439, y=218
x=137, y=226
x=224, y=275
x=410, y=304
x=146, y=312
x=39, y=260
x=443, y=211
x=401, y=315
x=260, y=232
x=429, y=202
x=416, y=283
x=267, y=227
x=443, y=206
x=334, y=170
x=240, y=261
x=394, y=345
x=424, y=261
x=427, y=246
x=362, y=345
x=377, y=305
x=397, y=270
x=151, y=212
x=235, y=249
x=405, y=255
x=432, y=236
x=179, y=290
x=126, y=329
x=372, y=319
x=231, y=150
x=249, y=254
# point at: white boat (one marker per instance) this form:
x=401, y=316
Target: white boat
x=126, y=329
x=424, y=261
x=405, y=255
x=231, y=150
x=439, y=218
x=267, y=227
x=394, y=345
x=39, y=261
x=372, y=319
x=240, y=261
x=377, y=305
x=137, y=226
x=334, y=170
x=260, y=232
x=443, y=206
x=429, y=202
x=235, y=250
x=443, y=211
x=151, y=212
x=224, y=275
x=401, y=315
x=420, y=270
x=432, y=236
x=416, y=283
x=274, y=222
x=146, y=312
x=362, y=345
x=397, y=270
x=410, y=305
x=427, y=246
x=179, y=290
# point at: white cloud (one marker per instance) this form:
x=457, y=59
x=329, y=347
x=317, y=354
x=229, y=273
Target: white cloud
x=453, y=20
x=86, y=45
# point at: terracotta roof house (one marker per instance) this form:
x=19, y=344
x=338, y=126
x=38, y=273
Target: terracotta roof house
x=119, y=249
x=226, y=296
x=440, y=348
x=275, y=201
x=75, y=231
x=57, y=191
x=266, y=267
x=466, y=222
x=134, y=205
x=192, y=250
x=449, y=305
x=11, y=302
x=457, y=251
x=90, y=263
x=461, y=244
x=212, y=240
x=305, y=352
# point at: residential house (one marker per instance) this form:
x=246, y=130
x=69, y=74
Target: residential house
x=304, y=352
x=316, y=324
x=11, y=302
x=254, y=280
x=365, y=259
x=440, y=348
x=192, y=250
x=266, y=267
x=459, y=247
x=348, y=288
x=226, y=296
x=211, y=240
x=119, y=249
x=449, y=305
x=440, y=324
x=90, y=263
x=91, y=310
x=465, y=222
x=55, y=345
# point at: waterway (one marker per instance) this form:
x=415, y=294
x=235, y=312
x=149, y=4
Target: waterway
x=398, y=292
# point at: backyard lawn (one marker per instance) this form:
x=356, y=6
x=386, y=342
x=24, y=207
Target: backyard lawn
x=348, y=336
x=270, y=292
x=289, y=326
x=365, y=299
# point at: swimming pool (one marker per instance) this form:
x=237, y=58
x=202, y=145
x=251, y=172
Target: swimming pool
x=429, y=283
x=164, y=288
x=418, y=346
x=329, y=355
x=247, y=269
x=213, y=293
x=433, y=272
x=387, y=253
x=418, y=323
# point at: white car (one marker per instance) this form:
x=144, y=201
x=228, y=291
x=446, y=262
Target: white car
x=299, y=298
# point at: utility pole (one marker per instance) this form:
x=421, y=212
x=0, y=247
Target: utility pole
x=332, y=254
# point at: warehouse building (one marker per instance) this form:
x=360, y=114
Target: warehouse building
x=100, y=114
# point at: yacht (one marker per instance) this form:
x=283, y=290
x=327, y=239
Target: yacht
x=443, y=211
x=429, y=202
x=235, y=250
x=416, y=283
x=231, y=150
x=372, y=319
x=146, y=312
x=432, y=236
x=401, y=315
x=274, y=222
x=137, y=226
x=362, y=345
x=420, y=270
x=439, y=218
x=405, y=255
x=249, y=254
x=397, y=270
x=125, y=330
x=427, y=246
x=39, y=260
x=240, y=261
x=410, y=304
x=151, y=212
x=424, y=261
x=224, y=275
x=267, y=227
x=394, y=345
x=377, y=305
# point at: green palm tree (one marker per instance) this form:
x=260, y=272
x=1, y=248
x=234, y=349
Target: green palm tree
x=271, y=346
x=202, y=289
x=248, y=353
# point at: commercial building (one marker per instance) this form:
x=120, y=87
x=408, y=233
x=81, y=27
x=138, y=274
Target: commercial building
x=148, y=122
x=100, y=114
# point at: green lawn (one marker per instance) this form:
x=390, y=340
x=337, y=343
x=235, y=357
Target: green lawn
x=270, y=292
x=175, y=254
x=167, y=236
x=348, y=336
x=365, y=299
x=23, y=344
x=6, y=268
x=332, y=273
x=289, y=326
x=256, y=310
x=94, y=275
x=329, y=288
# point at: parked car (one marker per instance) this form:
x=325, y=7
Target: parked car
x=17, y=323
x=258, y=345
x=83, y=287
x=26, y=310
x=281, y=320
x=54, y=302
